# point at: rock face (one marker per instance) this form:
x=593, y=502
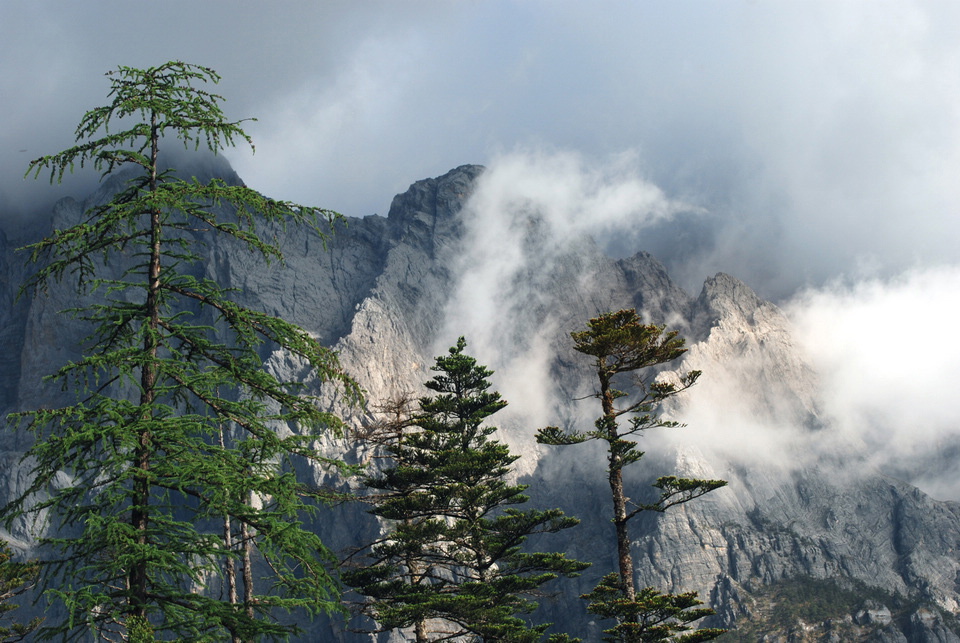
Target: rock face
x=795, y=523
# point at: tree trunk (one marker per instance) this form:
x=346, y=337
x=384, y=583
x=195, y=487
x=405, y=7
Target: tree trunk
x=230, y=568
x=139, y=514
x=624, y=558
x=247, y=545
x=420, y=627
x=615, y=476
x=421, y=631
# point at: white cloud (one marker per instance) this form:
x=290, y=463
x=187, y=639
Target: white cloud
x=889, y=357
x=876, y=359
x=529, y=220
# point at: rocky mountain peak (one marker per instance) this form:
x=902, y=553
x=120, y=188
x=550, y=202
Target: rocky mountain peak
x=724, y=297
x=429, y=208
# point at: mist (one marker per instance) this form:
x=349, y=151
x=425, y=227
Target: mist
x=531, y=217
x=876, y=357
x=889, y=358
x=886, y=357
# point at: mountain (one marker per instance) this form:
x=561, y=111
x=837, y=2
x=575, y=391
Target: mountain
x=805, y=544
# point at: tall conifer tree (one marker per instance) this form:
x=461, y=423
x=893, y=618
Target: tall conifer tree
x=142, y=530
x=452, y=563
x=621, y=344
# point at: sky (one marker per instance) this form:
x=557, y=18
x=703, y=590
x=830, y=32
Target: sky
x=812, y=139
x=811, y=149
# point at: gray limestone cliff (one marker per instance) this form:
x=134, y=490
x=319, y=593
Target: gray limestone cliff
x=797, y=520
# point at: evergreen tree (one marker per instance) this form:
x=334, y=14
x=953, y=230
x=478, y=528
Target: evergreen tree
x=15, y=579
x=157, y=499
x=621, y=343
x=452, y=563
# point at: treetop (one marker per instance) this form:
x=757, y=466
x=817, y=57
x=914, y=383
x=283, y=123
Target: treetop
x=621, y=342
x=168, y=99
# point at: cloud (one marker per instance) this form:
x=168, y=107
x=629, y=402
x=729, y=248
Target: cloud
x=271, y=61
x=867, y=371
x=329, y=128
x=860, y=144
x=889, y=357
x=527, y=230
x=819, y=137
x=877, y=360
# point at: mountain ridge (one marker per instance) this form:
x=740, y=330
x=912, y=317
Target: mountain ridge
x=390, y=293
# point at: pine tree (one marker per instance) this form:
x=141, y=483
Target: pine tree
x=621, y=343
x=140, y=533
x=452, y=562
x=15, y=579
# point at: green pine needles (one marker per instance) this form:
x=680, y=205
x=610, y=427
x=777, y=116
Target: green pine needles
x=173, y=506
x=452, y=562
x=15, y=579
x=651, y=615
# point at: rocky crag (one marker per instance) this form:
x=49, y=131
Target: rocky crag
x=801, y=546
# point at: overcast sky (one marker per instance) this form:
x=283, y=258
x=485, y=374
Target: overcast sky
x=810, y=139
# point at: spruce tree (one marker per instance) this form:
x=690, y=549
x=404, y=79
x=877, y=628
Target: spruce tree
x=170, y=444
x=621, y=344
x=452, y=562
